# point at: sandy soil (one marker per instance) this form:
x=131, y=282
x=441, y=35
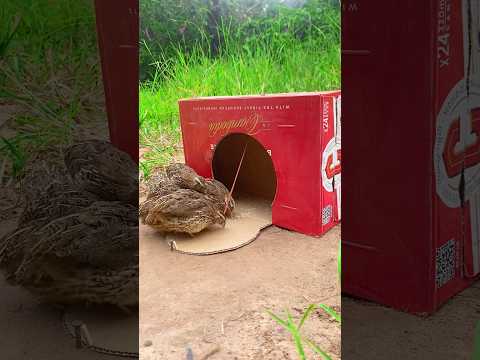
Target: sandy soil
x=374, y=332
x=215, y=305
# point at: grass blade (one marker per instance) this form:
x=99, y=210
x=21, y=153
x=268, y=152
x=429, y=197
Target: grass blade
x=317, y=350
x=278, y=320
x=7, y=38
x=297, y=338
x=331, y=312
x=16, y=156
x=306, y=315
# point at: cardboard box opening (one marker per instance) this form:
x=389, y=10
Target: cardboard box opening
x=292, y=140
x=254, y=193
x=257, y=177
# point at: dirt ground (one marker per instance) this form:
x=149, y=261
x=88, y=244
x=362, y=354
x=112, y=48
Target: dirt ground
x=216, y=305
x=374, y=332
x=184, y=300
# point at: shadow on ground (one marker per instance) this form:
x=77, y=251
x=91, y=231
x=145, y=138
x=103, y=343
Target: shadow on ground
x=32, y=330
x=372, y=332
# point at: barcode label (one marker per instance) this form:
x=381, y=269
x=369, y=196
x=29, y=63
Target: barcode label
x=445, y=264
x=326, y=214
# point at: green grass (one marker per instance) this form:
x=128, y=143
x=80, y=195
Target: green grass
x=295, y=329
x=49, y=69
x=278, y=63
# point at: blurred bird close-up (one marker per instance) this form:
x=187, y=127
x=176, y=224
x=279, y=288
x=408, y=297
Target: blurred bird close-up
x=76, y=239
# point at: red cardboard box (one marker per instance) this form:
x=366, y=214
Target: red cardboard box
x=411, y=85
x=117, y=29
x=292, y=157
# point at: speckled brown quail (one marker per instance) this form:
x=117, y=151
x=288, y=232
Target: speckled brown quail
x=100, y=168
x=40, y=173
x=70, y=246
x=184, y=177
x=223, y=200
x=55, y=200
x=184, y=211
x=88, y=256
x=159, y=184
x=48, y=194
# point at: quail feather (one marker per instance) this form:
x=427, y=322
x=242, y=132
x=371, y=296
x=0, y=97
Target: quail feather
x=77, y=238
x=77, y=257
x=100, y=168
x=180, y=200
x=184, y=211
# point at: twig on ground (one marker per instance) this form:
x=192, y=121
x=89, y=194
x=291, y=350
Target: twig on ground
x=209, y=353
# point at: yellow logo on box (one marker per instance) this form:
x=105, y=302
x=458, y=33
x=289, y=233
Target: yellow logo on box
x=248, y=124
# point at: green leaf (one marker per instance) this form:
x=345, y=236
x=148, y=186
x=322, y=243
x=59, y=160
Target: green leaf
x=306, y=315
x=331, y=312
x=278, y=320
x=289, y=325
x=317, y=350
x=297, y=338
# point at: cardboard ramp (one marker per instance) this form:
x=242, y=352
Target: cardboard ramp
x=250, y=216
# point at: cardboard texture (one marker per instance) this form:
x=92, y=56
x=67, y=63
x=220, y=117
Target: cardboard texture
x=411, y=84
x=292, y=157
x=251, y=215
